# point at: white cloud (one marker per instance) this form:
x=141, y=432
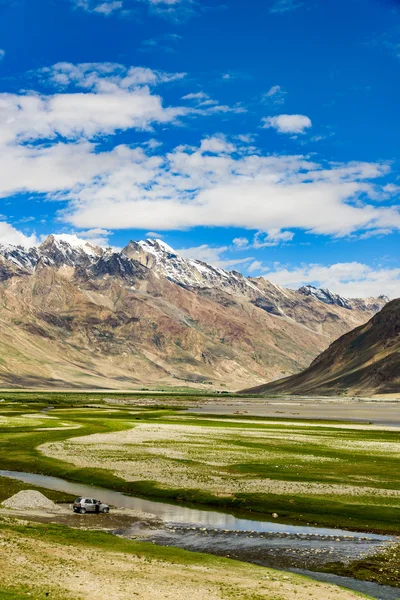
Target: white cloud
x=283, y=6
x=348, y=279
x=275, y=94
x=240, y=243
x=10, y=235
x=274, y=237
x=287, y=123
x=189, y=187
x=154, y=235
x=255, y=266
x=106, y=77
x=97, y=236
x=106, y=8
x=217, y=144
x=196, y=96
x=101, y=7
x=113, y=98
x=177, y=10
x=262, y=239
x=206, y=105
x=2, y=54
x=45, y=147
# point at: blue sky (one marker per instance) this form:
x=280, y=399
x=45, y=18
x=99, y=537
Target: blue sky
x=260, y=136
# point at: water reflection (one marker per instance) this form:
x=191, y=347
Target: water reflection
x=172, y=513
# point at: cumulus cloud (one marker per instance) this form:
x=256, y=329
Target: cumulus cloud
x=352, y=279
x=15, y=237
x=240, y=243
x=50, y=145
x=287, y=123
x=105, y=98
x=218, y=184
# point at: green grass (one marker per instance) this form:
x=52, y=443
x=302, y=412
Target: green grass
x=77, y=541
x=74, y=398
x=35, y=593
x=280, y=452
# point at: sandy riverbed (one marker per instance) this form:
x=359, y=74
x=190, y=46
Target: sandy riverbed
x=380, y=411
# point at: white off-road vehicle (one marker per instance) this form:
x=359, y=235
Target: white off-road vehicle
x=84, y=505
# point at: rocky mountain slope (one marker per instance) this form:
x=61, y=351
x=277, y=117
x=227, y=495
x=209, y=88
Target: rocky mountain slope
x=364, y=361
x=76, y=315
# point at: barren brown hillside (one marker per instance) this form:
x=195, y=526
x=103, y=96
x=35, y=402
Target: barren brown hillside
x=364, y=361
x=85, y=317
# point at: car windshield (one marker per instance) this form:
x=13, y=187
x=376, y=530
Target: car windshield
x=78, y=499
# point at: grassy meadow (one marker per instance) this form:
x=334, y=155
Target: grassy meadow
x=334, y=474
x=66, y=564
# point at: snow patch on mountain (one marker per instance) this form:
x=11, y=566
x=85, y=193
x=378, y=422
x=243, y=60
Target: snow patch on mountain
x=325, y=295
x=66, y=239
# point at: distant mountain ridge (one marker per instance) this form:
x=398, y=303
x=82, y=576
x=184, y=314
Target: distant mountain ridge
x=80, y=315
x=154, y=254
x=363, y=361
x=325, y=295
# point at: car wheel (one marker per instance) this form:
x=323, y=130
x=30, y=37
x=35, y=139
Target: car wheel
x=82, y=511
x=106, y=510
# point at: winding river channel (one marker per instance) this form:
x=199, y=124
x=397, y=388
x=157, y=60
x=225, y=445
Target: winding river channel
x=301, y=549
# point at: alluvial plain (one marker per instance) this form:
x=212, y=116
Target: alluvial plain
x=338, y=474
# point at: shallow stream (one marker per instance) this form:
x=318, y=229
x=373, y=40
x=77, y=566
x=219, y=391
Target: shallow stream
x=289, y=547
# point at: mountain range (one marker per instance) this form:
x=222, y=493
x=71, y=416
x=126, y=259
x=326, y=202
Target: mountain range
x=75, y=315
x=365, y=361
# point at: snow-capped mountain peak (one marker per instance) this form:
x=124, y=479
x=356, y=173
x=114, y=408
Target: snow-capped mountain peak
x=325, y=295
x=65, y=249
x=163, y=261
x=66, y=242
x=66, y=239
